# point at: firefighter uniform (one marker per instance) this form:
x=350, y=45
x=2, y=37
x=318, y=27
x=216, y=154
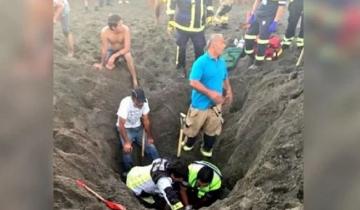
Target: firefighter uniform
x=222, y=12
x=189, y=18
x=259, y=29
x=296, y=11
x=152, y=185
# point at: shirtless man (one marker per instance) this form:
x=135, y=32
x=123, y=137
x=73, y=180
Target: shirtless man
x=115, y=42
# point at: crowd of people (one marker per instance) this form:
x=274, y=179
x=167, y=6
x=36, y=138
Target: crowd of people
x=167, y=183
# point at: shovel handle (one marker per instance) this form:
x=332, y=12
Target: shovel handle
x=82, y=184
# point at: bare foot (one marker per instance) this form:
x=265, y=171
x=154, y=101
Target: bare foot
x=98, y=66
x=110, y=66
x=70, y=54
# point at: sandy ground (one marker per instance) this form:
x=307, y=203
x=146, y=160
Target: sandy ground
x=86, y=100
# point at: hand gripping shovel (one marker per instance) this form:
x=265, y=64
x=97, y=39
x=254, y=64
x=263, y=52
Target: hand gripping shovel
x=109, y=204
x=181, y=141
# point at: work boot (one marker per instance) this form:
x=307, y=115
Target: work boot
x=206, y=152
x=285, y=46
x=189, y=145
x=124, y=175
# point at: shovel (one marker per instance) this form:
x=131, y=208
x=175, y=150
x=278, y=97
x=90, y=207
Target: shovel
x=300, y=57
x=181, y=141
x=109, y=204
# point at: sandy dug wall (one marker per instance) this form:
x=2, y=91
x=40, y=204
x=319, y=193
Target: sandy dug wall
x=261, y=149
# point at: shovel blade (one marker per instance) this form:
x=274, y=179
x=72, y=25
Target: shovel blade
x=114, y=206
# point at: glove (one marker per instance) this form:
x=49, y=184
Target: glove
x=170, y=26
x=273, y=27
x=188, y=207
x=252, y=19
x=210, y=20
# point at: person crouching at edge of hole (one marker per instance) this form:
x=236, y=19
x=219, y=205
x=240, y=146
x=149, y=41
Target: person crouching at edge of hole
x=115, y=44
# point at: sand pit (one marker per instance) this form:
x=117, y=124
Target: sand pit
x=260, y=150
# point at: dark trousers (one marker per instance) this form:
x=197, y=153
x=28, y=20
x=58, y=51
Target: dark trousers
x=182, y=37
x=259, y=27
x=207, y=200
x=296, y=11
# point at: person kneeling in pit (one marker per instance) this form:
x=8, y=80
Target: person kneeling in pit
x=152, y=184
x=202, y=187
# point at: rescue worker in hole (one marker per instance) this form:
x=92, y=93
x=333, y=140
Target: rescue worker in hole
x=189, y=18
x=152, y=184
x=203, y=185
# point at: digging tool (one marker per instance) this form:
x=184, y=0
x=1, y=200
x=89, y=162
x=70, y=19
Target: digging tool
x=143, y=144
x=300, y=57
x=181, y=141
x=109, y=204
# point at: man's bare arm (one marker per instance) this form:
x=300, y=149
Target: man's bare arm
x=280, y=13
x=122, y=130
x=147, y=127
x=255, y=5
x=104, y=46
x=228, y=89
x=59, y=8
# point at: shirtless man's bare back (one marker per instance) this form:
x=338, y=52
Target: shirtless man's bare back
x=116, y=42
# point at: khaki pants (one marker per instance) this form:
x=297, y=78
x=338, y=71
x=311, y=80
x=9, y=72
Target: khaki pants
x=209, y=121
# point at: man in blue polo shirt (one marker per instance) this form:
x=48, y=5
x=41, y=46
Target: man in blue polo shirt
x=208, y=78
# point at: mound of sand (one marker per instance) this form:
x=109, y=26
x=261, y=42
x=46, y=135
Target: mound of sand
x=260, y=150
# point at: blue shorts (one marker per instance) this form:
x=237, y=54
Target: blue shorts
x=65, y=23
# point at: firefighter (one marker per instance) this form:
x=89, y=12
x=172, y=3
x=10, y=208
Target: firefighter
x=189, y=18
x=296, y=11
x=221, y=17
x=203, y=186
x=264, y=19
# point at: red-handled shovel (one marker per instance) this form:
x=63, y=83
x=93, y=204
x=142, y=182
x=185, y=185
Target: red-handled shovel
x=109, y=204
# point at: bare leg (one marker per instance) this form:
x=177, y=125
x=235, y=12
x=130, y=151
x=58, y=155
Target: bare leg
x=86, y=4
x=70, y=44
x=131, y=68
x=157, y=8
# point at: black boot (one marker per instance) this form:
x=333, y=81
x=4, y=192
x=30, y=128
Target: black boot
x=207, y=146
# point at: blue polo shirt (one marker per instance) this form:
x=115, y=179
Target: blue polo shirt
x=211, y=73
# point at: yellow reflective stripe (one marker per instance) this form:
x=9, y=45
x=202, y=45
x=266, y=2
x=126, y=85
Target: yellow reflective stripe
x=248, y=36
x=300, y=42
x=249, y=51
x=215, y=183
x=269, y=58
x=262, y=41
x=149, y=199
x=177, y=55
x=177, y=206
x=259, y=58
x=189, y=29
x=288, y=39
x=169, y=11
x=192, y=22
